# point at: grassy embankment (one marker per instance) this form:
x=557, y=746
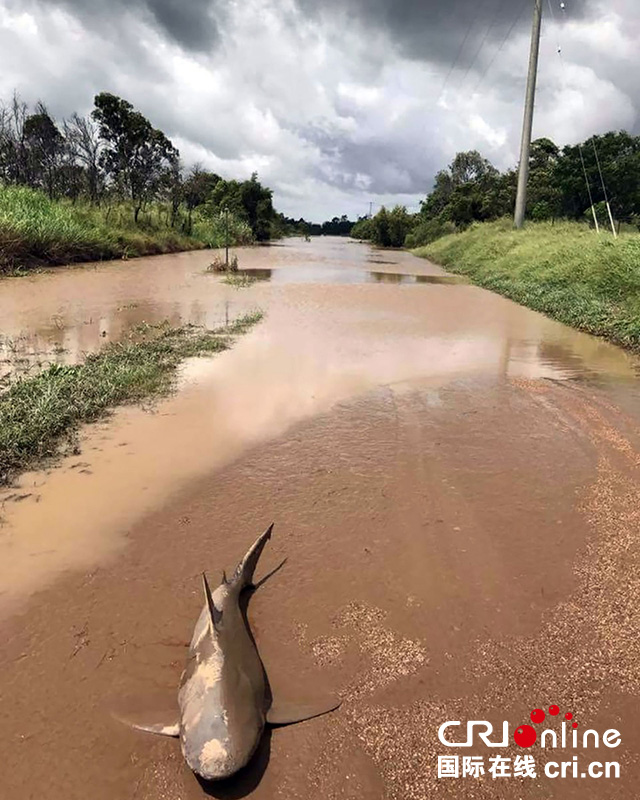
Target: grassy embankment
x=36, y=231
x=564, y=270
x=40, y=415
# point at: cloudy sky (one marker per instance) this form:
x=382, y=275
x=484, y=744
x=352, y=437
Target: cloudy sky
x=335, y=103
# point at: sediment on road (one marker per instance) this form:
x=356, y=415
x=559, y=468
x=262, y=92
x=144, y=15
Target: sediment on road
x=40, y=414
x=564, y=270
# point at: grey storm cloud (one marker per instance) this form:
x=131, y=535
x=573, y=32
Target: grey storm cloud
x=192, y=24
x=433, y=30
x=391, y=167
x=429, y=30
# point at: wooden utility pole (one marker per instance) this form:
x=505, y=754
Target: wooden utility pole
x=527, y=127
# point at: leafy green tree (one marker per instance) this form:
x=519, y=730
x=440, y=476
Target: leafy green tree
x=470, y=167
x=380, y=228
x=249, y=200
x=363, y=229
x=136, y=155
x=257, y=201
x=387, y=228
x=439, y=198
x=400, y=224
x=338, y=226
x=544, y=198
x=467, y=190
x=619, y=160
x=197, y=189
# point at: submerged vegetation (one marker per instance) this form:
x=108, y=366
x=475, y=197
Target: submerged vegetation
x=220, y=264
x=563, y=270
x=239, y=281
x=40, y=414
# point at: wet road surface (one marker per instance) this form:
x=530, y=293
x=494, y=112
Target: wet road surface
x=454, y=481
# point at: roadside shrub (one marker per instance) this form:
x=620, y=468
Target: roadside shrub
x=362, y=230
x=429, y=231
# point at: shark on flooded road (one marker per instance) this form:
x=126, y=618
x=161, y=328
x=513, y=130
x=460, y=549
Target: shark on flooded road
x=224, y=699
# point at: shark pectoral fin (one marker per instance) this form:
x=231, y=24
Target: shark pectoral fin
x=162, y=718
x=161, y=728
x=287, y=713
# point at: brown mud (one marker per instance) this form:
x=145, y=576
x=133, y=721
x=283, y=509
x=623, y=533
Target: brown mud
x=455, y=484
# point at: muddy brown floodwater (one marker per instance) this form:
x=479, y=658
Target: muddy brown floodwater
x=455, y=484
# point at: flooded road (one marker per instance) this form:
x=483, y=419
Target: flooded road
x=454, y=481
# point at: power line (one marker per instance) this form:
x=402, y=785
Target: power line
x=524, y=4
x=501, y=4
x=470, y=27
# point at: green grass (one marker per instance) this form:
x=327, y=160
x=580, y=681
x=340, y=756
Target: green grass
x=39, y=414
x=564, y=270
x=36, y=231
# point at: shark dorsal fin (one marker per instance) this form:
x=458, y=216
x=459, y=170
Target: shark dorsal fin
x=214, y=613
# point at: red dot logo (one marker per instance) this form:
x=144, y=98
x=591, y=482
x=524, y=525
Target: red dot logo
x=554, y=710
x=525, y=736
x=537, y=715
x=568, y=715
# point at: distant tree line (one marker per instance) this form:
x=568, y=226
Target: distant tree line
x=338, y=226
x=564, y=183
x=116, y=155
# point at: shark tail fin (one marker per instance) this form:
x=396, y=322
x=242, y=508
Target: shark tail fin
x=243, y=576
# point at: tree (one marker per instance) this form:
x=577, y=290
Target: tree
x=467, y=190
x=399, y=225
x=45, y=149
x=470, y=167
x=437, y=201
x=258, y=205
x=386, y=228
x=619, y=159
x=338, y=226
x=363, y=229
x=136, y=156
x=380, y=228
x=544, y=198
x=84, y=147
x=248, y=200
x=13, y=150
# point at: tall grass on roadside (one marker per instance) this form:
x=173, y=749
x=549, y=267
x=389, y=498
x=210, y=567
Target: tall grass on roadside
x=564, y=270
x=39, y=414
x=35, y=230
